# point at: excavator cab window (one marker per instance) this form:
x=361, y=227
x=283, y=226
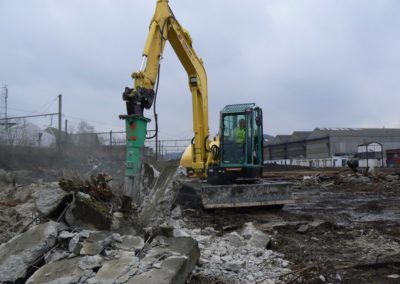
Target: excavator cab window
x=236, y=130
x=241, y=141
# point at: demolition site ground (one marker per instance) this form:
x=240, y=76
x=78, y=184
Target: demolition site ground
x=343, y=228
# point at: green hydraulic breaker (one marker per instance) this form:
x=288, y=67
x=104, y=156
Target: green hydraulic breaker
x=136, y=130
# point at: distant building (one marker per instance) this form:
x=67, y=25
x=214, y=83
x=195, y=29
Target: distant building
x=54, y=132
x=77, y=139
x=268, y=138
x=27, y=134
x=84, y=139
x=370, y=155
x=327, y=146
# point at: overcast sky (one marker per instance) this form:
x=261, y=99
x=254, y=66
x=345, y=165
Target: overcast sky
x=306, y=63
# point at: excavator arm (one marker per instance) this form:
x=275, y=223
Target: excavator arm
x=165, y=27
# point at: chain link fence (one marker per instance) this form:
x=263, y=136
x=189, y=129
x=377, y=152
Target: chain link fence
x=27, y=134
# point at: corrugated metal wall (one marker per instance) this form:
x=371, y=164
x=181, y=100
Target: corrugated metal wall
x=334, y=143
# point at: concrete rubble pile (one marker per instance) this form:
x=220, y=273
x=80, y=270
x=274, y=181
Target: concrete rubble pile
x=24, y=205
x=82, y=256
x=72, y=237
x=236, y=257
x=79, y=236
x=346, y=177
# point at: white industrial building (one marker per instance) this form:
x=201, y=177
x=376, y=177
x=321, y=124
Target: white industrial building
x=370, y=155
x=330, y=147
x=27, y=134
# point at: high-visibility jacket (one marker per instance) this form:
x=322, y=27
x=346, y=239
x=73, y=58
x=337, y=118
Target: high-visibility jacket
x=240, y=135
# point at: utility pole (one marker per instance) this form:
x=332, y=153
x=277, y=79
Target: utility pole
x=59, y=122
x=3, y=105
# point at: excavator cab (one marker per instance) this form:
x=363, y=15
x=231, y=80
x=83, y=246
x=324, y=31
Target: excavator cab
x=241, y=144
x=235, y=179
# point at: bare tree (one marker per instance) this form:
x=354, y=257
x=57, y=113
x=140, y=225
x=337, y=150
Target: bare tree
x=84, y=127
x=86, y=135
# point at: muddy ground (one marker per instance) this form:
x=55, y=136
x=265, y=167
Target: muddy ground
x=335, y=232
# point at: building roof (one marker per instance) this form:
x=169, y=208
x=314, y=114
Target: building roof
x=300, y=135
x=54, y=131
x=322, y=132
x=370, y=143
x=281, y=139
x=268, y=138
x=294, y=137
x=317, y=133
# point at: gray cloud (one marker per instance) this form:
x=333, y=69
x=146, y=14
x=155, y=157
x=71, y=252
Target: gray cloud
x=306, y=63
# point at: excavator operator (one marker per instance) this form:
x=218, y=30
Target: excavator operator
x=240, y=132
x=239, y=139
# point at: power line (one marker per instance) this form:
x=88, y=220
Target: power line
x=45, y=106
x=88, y=120
x=42, y=108
x=27, y=116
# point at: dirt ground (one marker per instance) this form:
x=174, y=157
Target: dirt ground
x=336, y=232
x=339, y=230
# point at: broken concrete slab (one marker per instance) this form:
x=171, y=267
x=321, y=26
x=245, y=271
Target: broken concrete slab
x=73, y=244
x=180, y=233
x=90, y=248
x=158, y=202
x=173, y=270
x=90, y=262
x=66, y=235
x=183, y=245
x=118, y=270
x=174, y=261
x=303, y=229
x=111, y=240
x=60, y=272
x=235, y=239
x=130, y=243
x=56, y=255
x=84, y=234
x=85, y=212
x=97, y=236
x=260, y=240
x=96, y=241
x=255, y=237
x=18, y=254
x=50, y=198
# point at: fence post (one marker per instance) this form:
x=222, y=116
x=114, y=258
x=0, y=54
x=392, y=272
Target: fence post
x=66, y=132
x=59, y=123
x=156, y=149
x=110, y=139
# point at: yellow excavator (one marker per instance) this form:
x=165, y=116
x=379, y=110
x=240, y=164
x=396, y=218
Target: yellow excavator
x=227, y=168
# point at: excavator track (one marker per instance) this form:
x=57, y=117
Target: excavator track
x=260, y=194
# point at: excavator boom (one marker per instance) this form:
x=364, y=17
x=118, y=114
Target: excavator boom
x=165, y=27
